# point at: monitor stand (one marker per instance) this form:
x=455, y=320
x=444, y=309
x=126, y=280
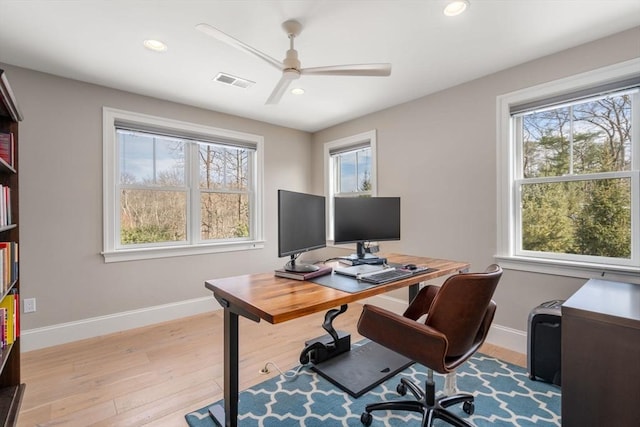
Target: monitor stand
x=367, y=259
x=362, y=257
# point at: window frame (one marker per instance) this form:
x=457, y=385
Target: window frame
x=112, y=250
x=508, y=233
x=360, y=140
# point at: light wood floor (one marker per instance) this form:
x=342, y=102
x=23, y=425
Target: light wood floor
x=156, y=374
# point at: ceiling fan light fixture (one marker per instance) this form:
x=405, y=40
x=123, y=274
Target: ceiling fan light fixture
x=297, y=91
x=456, y=7
x=155, y=45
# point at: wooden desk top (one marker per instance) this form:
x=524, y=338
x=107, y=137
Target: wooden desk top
x=277, y=299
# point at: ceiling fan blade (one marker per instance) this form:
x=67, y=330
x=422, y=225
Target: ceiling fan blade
x=381, y=70
x=223, y=37
x=279, y=90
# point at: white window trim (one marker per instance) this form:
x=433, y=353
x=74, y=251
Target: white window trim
x=506, y=161
x=111, y=252
x=364, y=137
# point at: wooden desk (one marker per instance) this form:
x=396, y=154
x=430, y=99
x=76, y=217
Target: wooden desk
x=276, y=300
x=600, y=355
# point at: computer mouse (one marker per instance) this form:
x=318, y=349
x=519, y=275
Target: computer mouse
x=410, y=266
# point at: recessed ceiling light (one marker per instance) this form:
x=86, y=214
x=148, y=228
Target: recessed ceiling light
x=456, y=7
x=155, y=45
x=297, y=91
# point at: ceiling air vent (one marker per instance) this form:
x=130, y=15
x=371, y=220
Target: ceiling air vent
x=233, y=80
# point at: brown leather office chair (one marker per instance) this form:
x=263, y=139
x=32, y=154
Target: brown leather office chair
x=458, y=317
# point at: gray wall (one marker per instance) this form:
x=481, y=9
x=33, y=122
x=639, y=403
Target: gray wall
x=61, y=203
x=439, y=154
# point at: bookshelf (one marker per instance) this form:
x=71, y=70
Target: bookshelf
x=11, y=389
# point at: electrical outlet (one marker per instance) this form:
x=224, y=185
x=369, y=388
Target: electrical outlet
x=29, y=305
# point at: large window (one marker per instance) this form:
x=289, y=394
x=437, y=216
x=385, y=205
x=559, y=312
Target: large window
x=350, y=169
x=175, y=188
x=571, y=190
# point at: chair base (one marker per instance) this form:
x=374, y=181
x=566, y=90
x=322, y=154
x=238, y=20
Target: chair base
x=426, y=404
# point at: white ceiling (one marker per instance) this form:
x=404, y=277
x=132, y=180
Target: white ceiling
x=100, y=41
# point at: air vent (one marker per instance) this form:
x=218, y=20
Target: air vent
x=233, y=80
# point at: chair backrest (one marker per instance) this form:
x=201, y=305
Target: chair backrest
x=460, y=307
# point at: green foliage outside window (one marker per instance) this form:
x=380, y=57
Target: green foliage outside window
x=571, y=207
x=146, y=234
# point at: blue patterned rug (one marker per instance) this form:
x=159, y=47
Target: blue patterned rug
x=505, y=396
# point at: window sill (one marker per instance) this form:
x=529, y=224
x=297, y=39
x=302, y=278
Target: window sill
x=174, y=251
x=570, y=269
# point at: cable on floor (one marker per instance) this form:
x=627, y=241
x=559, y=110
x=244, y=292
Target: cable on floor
x=292, y=375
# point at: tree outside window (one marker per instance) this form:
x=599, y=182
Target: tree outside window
x=153, y=194
x=575, y=180
x=224, y=192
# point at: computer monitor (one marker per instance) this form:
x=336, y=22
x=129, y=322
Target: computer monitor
x=301, y=227
x=366, y=219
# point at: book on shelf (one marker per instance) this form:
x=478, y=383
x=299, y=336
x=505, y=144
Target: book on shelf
x=3, y=327
x=16, y=313
x=8, y=264
x=5, y=205
x=322, y=271
x=7, y=307
x=6, y=147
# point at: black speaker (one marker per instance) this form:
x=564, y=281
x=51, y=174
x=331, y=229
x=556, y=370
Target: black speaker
x=544, y=343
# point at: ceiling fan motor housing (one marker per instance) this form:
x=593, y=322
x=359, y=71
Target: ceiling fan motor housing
x=291, y=64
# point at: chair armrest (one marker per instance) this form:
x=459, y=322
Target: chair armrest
x=422, y=302
x=412, y=339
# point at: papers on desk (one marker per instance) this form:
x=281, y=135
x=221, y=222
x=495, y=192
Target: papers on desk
x=361, y=270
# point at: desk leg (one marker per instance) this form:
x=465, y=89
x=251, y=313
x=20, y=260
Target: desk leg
x=231, y=374
x=413, y=291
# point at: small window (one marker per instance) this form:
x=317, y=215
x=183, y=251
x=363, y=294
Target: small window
x=350, y=169
x=175, y=188
x=352, y=172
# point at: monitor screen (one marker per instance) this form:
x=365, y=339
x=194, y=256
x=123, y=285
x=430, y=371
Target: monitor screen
x=301, y=223
x=366, y=219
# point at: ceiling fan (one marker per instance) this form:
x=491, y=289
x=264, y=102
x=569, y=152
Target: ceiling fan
x=290, y=66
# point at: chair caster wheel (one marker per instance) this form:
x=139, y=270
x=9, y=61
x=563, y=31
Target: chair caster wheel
x=401, y=389
x=468, y=407
x=366, y=418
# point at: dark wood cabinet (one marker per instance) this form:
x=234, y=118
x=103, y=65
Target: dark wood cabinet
x=601, y=355
x=11, y=389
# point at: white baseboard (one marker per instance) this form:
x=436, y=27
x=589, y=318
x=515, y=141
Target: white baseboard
x=34, y=339
x=37, y=338
x=508, y=338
